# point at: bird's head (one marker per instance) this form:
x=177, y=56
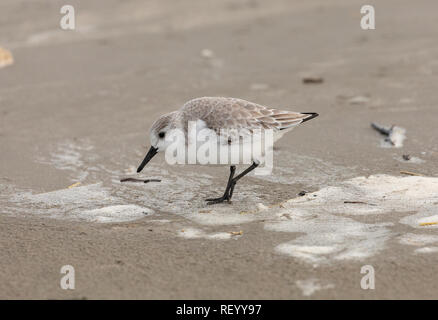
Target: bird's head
x=157, y=135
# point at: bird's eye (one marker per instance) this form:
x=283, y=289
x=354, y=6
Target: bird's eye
x=161, y=134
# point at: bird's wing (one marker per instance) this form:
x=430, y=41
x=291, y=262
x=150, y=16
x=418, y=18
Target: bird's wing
x=232, y=113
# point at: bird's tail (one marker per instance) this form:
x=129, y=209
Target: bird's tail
x=311, y=116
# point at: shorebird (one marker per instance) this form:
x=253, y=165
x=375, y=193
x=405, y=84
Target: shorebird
x=218, y=115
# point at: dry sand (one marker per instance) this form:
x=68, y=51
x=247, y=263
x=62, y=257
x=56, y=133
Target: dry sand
x=75, y=106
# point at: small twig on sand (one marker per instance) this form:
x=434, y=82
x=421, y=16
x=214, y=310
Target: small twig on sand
x=359, y=202
x=139, y=180
x=313, y=80
x=409, y=173
x=74, y=185
x=428, y=223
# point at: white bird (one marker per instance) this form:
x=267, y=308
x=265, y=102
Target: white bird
x=231, y=121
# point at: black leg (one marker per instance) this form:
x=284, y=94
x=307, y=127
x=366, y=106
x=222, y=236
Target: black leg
x=232, y=183
x=227, y=189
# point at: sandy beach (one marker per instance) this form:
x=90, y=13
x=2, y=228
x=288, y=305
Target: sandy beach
x=75, y=111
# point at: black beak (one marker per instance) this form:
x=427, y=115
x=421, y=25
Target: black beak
x=151, y=153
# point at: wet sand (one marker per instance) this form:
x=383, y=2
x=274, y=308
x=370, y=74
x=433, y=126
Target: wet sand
x=76, y=107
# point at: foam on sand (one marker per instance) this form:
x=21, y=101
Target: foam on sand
x=396, y=138
x=65, y=199
x=425, y=219
x=119, y=213
x=310, y=286
x=377, y=194
x=71, y=156
x=329, y=237
x=325, y=216
x=325, y=226
x=323, y=172
x=85, y=203
x=427, y=250
x=414, y=239
x=193, y=233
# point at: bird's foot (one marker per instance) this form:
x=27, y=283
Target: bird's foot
x=224, y=198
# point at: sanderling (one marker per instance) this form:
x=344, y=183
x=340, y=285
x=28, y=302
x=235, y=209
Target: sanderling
x=222, y=118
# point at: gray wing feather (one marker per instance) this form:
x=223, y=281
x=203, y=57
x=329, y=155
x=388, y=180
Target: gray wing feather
x=231, y=113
